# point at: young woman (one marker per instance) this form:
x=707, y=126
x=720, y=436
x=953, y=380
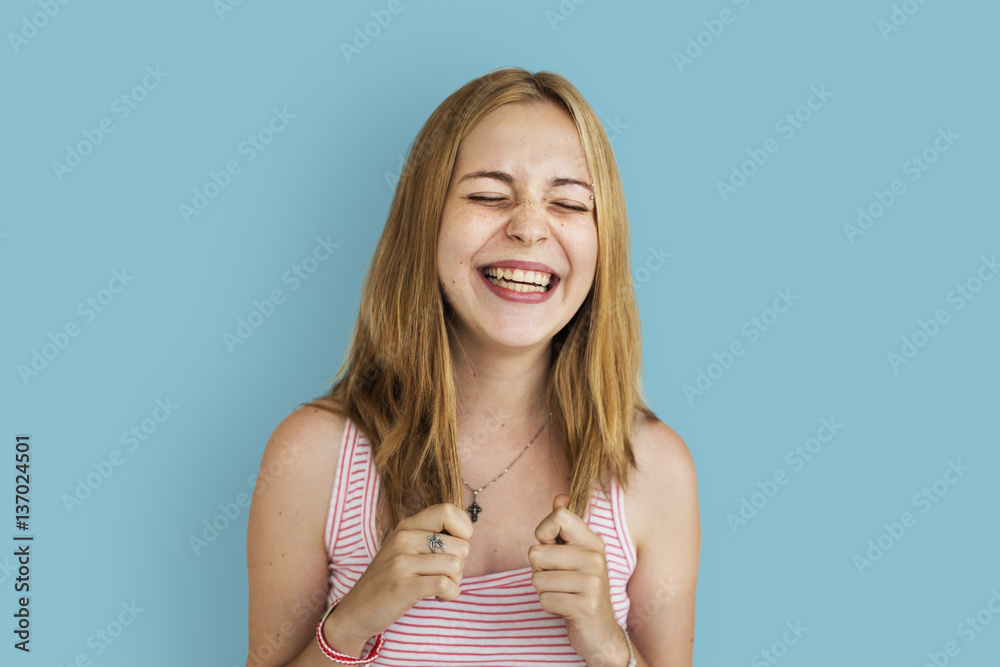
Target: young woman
x=484, y=484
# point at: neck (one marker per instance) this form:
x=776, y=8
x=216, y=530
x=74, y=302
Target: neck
x=500, y=395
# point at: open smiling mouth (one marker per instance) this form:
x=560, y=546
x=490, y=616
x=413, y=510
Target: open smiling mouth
x=518, y=280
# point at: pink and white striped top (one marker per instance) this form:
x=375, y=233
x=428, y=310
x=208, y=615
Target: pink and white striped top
x=497, y=619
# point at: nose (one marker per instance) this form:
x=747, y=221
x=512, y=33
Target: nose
x=528, y=223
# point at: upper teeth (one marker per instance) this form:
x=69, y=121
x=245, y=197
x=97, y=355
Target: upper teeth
x=536, y=277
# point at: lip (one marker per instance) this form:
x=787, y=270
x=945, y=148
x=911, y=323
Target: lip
x=519, y=297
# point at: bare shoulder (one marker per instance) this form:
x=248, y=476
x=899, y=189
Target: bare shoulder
x=310, y=424
x=664, y=482
x=652, y=437
x=300, y=457
x=661, y=456
x=304, y=440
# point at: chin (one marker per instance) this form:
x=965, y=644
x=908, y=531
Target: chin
x=515, y=338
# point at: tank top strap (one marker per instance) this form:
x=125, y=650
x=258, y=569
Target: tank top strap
x=349, y=536
x=605, y=514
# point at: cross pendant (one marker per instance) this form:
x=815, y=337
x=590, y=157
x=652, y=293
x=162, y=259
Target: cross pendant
x=474, y=509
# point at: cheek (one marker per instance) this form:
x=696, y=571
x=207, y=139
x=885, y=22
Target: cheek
x=582, y=248
x=447, y=250
x=459, y=241
x=453, y=262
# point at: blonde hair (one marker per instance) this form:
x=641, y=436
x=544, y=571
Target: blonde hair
x=396, y=382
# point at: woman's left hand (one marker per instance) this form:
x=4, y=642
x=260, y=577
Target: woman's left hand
x=571, y=578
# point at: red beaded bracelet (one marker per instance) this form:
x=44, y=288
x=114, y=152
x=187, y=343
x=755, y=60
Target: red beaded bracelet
x=343, y=658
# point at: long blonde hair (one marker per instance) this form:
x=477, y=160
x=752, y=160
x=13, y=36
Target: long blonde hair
x=396, y=382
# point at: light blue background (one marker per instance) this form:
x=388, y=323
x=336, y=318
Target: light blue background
x=676, y=131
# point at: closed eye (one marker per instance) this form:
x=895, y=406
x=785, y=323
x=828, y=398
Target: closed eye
x=492, y=200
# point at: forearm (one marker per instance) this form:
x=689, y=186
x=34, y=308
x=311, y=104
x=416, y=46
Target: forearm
x=615, y=651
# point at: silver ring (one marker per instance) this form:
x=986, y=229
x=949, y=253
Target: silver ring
x=436, y=542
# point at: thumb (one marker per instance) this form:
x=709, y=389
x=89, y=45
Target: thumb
x=562, y=500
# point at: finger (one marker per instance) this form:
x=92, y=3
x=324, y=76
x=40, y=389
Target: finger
x=420, y=572
x=561, y=500
x=561, y=523
x=419, y=542
x=569, y=605
x=435, y=565
x=443, y=517
x=442, y=588
x=566, y=557
x=561, y=581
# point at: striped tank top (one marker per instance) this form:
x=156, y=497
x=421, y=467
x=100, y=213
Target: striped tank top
x=497, y=619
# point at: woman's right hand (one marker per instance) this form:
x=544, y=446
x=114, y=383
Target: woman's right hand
x=403, y=572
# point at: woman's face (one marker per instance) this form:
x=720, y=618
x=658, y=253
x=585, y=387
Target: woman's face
x=518, y=202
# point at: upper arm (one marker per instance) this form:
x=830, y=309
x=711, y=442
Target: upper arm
x=662, y=509
x=287, y=564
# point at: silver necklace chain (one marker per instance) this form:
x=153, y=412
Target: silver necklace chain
x=474, y=509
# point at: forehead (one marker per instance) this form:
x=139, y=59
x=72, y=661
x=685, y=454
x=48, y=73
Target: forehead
x=526, y=139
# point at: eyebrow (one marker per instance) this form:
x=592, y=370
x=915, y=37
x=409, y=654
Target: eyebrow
x=507, y=179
